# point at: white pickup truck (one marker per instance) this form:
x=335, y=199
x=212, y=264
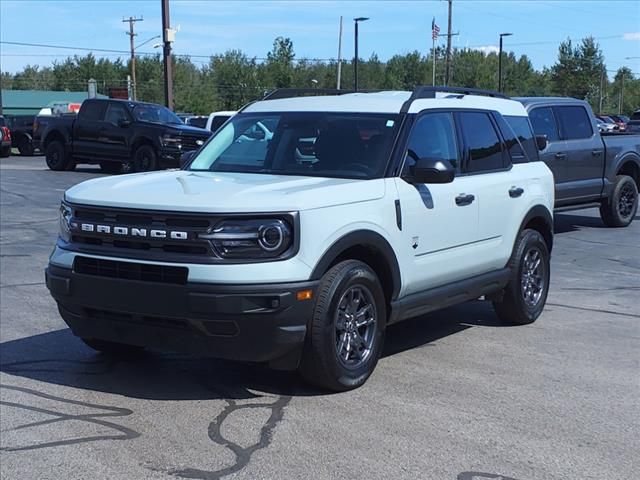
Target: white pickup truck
x=358, y=211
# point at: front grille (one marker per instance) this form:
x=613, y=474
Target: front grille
x=130, y=271
x=96, y=242
x=189, y=142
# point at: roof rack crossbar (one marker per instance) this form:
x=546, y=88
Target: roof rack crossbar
x=279, y=93
x=430, y=92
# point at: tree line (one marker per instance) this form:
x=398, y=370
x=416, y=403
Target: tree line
x=229, y=80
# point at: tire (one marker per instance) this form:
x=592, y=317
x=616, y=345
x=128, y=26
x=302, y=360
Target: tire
x=56, y=156
x=620, y=208
x=25, y=147
x=112, y=348
x=111, y=167
x=144, y=159
x=5, y=152
x=349, y=287
x=526, y=293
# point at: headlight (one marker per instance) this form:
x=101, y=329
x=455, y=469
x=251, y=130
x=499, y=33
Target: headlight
x=169, y=140
x=251, y=239
x=65, y=218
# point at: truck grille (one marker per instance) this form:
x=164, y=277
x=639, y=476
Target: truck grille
x=190, y=142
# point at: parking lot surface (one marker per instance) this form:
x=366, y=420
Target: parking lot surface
x=456, y=395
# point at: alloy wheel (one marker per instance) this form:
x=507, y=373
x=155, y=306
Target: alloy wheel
x=355, y=326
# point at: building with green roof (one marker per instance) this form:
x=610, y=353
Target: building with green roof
x=29, y=102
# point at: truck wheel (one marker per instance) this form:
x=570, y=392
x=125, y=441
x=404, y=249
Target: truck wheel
x=526, y=293
x=5, y=151
x=619, y=209
x=56, y=156
x=111, y=167
x=25, y=147
x=346, y=333
x=112, y=348
x=145, y=159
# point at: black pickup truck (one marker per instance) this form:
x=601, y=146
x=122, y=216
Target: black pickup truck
x=140, y=136
x=590, y=169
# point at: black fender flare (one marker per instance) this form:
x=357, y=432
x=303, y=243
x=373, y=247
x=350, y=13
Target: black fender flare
x=539, y=211
x=364, y=238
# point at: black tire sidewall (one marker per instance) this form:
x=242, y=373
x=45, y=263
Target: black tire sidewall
x=323, y=338
x=52, y=148
x=25, y=147
x=529, y=239
x=615, y=199
x=137, y=159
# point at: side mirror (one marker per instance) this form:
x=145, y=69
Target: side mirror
x=432, y=170
x=122, y=123
x=541, y=142
x=186, y=157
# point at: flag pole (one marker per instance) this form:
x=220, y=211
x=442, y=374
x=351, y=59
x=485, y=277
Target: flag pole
x=433, y=82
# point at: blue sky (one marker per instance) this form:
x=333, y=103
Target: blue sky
x=208, y=27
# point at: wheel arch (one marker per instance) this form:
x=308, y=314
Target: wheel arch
x=369, y=247
x=54, y=135
x=539, y=218
x=630, y=165
x=139, y=141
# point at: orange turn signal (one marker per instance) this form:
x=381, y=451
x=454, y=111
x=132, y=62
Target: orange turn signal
x=304, y=295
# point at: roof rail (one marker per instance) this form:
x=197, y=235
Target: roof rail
x=279, y=93
x=430, y=92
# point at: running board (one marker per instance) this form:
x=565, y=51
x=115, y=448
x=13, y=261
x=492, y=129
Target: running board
x=451, y=294
x=580, y=206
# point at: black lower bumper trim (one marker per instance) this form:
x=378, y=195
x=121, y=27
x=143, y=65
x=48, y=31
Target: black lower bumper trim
x=238, y=322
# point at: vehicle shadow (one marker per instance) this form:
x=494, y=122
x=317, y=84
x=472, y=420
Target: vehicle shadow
x=565, y=223
x=58, y=357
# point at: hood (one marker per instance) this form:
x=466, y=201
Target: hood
x=218, y=192
x=182, y=128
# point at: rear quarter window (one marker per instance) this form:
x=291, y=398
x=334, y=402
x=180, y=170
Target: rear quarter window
x=575, y=122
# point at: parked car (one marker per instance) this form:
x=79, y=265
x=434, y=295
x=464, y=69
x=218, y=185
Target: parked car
x=113, y=133
x=406, y=203
x=199, y=121
x=217, y=119
x=606, y=124
x=5, y=138
x=21, y=133
x=590, y=170
x=620, y=120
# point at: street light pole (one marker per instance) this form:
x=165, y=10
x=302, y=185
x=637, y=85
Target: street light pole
x=355, y=62
x=167, y=38
x=500, y=60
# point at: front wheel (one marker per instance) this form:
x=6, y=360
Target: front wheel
x=619, y=209
x=144, y=159
x=56, y=156
x=346, y=333
x=526, y=293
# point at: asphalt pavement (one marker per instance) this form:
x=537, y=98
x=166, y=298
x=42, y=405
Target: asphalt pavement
x=456, y=396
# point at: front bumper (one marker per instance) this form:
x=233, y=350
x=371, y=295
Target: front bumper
x=258, y=323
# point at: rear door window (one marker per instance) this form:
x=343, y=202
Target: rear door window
x=522, y=128
x=544, y=123
x=575, y=122
x=92, y=111
x=483, y=146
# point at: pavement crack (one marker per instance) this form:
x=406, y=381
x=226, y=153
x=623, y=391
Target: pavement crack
x=12, y=285
x=586, y=309
x=123, y=433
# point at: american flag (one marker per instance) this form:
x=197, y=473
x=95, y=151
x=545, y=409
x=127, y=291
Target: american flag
x=435, y=29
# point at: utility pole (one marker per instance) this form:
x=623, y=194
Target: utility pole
x=601, y=89
x=621, y=93
x=356, y=21
x=339, y=55
x=447, y=71
x=500, y=60
x=168, y=36
x=132, y=21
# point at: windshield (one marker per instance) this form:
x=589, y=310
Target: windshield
x=343, y=145
x=155, y=114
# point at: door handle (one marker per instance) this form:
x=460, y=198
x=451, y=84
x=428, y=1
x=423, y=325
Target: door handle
x=464, y=199
x=560, y=155
x=515, y=192
x=595, y=153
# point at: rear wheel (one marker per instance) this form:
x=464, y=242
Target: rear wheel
x=56, y=156
x=346, y=333
x=112, y=348
x=111, y=167
x=25, y=147
x=619, y=209
x=144, y=159
x=526, y=293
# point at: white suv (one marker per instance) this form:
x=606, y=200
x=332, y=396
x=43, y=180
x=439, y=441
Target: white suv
x=298, y=249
